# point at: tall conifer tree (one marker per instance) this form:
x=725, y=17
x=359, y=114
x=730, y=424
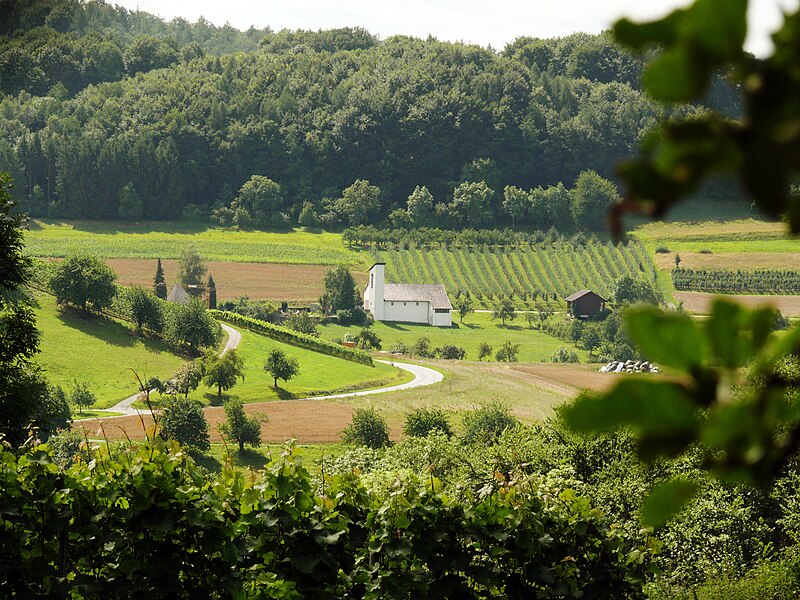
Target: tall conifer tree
x=159, y=284
x=212, y=293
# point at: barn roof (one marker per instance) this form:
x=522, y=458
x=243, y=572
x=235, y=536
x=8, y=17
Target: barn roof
x=413, y=292
x=581, y=294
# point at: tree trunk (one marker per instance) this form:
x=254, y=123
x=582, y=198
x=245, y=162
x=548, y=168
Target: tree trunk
x=241, y=445
x=276, y=382
x=219, y=391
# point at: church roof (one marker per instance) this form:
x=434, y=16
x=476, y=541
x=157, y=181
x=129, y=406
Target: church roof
x=412, y=292
x=178, y=294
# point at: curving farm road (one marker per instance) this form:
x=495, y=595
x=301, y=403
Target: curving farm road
x=422, y=376
x=124, y=406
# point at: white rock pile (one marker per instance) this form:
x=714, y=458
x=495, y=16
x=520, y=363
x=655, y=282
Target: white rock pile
x=629, y=366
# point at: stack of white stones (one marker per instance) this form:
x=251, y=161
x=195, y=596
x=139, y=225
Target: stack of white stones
x=629, y=366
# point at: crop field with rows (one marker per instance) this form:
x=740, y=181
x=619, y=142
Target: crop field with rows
x=542, y=272
x=737, y=282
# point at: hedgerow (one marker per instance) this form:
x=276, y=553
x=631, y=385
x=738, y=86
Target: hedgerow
x=294, y=338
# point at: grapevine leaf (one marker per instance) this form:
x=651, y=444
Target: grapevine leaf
x=665, y=500
x=667, y=338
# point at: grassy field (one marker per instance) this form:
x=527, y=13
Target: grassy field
x=319, y=374
x=730, y=237
x=168, y=240
x=534, y=345
x=557, y=269
x=98, y=351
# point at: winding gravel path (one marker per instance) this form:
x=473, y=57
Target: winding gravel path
x=422, y=376
x=124, y=407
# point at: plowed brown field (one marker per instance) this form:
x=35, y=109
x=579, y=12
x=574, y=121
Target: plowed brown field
x=261, y=281
x=699, y=302
x=308, y=421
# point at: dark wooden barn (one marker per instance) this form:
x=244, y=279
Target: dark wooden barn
x=583, y=303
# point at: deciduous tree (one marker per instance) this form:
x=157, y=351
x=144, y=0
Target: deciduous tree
x=191, y=326
x=281, y=366
x=81, y=396
x=340, y=291
x=192, y=267
x=591, y=200
x=239, y=427
x=84, y=281
x=144, y=309
x=224, y=371
x=183, y=421
x=504, y=310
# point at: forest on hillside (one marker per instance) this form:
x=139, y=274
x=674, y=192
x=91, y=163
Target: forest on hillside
x=107, y=113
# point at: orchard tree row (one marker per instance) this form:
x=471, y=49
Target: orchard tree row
x=737, y=282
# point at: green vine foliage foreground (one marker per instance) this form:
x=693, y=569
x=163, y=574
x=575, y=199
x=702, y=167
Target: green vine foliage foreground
x=145, y=522
x=748, y=429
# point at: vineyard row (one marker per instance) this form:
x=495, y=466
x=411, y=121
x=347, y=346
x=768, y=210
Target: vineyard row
x=545, y=272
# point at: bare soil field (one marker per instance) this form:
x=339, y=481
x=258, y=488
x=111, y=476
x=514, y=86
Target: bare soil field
x=308, y=421
x=261, y=281
x=734, y=261
x=700, y=302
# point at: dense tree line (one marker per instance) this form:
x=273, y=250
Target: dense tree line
x=344, y=125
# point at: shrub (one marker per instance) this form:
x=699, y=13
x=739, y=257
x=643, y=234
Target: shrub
x=662, y=250
x=399, y=347
x=781, y=322
x=450, y=352
x=484, y=350
x=367, y=428
x=564, y=355
x=422, y=348
x=367, y=339
x=303, y=322
x=422, y=422
x=486, y=424
x=66, y=445
x=301, y=340
x=507, y=352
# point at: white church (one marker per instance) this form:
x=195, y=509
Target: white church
x=406, y=302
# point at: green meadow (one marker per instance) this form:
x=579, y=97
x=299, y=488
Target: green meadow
x=742, y=236
x=97, y=350
x=534, y=346
x=319, y=374
x=168, y=240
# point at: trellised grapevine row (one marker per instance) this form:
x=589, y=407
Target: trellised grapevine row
x=546, y=271
x=737, y=282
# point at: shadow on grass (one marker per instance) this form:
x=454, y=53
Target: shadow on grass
x=283, y=394
x=208, y=462
x=393, y=325
x=97, y=326
x=112, y=227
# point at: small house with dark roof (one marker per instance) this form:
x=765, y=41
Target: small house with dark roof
x=406, y=302
x=583, y=303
